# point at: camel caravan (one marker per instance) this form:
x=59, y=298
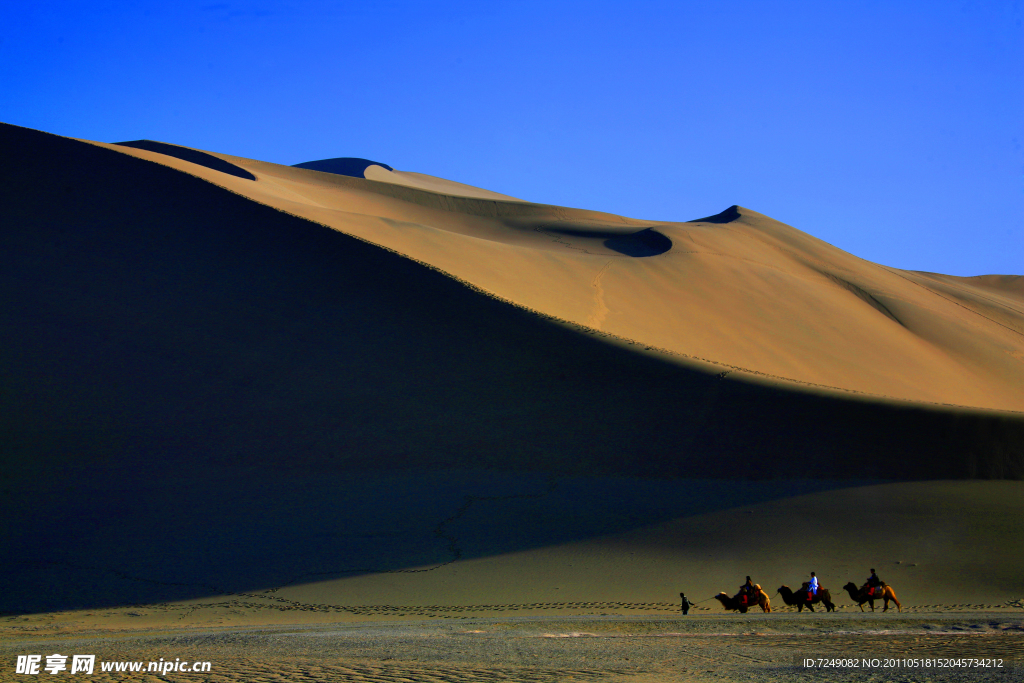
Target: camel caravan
x=810, y=593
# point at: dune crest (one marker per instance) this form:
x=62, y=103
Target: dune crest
x=737, y=289
x=432, y=184
x=190, y=155
x=375, y=170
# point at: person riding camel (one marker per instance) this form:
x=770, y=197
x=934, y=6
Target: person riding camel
x=748, y=593
x=873, y=583
x=812, y=587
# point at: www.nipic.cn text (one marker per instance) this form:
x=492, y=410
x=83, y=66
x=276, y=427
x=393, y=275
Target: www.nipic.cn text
x=86, y=664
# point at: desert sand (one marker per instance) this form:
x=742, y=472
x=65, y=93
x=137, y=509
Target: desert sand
x=239, y=395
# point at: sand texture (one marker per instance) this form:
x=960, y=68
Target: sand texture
x=238, y=394
x=648, y=650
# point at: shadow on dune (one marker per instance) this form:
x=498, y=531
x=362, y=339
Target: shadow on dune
x=201, y=394
x=643, y=243
x=350, y=166
x=637, y=244
x=190, y=155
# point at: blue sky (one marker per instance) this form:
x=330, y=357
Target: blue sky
x=894, y=130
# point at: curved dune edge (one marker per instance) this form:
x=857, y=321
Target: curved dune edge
x=635, y=344
x=926, y=350
x=192, y=156
x=430, y=183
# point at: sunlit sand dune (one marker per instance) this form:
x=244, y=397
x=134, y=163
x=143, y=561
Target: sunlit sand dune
x=738, y=289
x=334, y=388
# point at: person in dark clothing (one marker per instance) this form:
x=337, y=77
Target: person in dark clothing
x=686, y=603
x=748, y=593
x=873, y=583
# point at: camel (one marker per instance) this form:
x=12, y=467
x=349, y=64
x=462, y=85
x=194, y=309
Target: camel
x=799, y=598
x=735, y=604
x=860, y=596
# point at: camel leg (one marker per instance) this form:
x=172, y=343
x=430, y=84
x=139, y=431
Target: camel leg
x=892, y=596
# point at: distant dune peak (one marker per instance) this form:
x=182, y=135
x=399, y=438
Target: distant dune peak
x=728, y=216
x=350, y=166
x=190, y=155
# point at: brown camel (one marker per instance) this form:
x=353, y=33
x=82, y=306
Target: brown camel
x=734, y=603
x=799, y=598
x=860, y=596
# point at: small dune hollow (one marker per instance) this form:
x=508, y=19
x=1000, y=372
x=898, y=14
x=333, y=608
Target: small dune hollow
x=644, y=243
x=350, y=166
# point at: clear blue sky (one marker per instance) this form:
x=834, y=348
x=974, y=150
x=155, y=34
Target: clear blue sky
x=894, y=130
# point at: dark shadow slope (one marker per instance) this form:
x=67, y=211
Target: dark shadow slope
x=192, y=156
x=194, y=389
x=350, y=166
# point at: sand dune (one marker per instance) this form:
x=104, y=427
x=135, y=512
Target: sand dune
x=771, y=299
x=324, y=390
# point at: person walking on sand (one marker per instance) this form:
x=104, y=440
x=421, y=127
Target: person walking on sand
x=812, y=587
x=686, y=603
